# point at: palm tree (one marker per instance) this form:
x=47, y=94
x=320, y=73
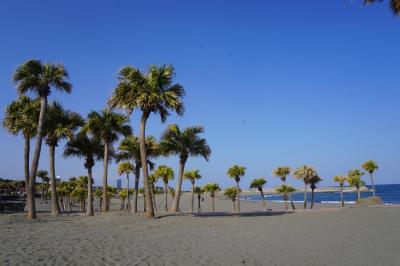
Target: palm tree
x=236, y=172
x=165, y=173
x=371, y=166
x=183, y=143
x=199, y=191
x=90, y=148
x=305, y=173
x=107, y=126
x=39, y=78
x=285, y=190
x=22, y=116
x=122, y=195
x=80, y=191
x=98, y=193
x=258, y=183
x=354, y=179
x=126, y=168
x=313, y=184
x=212, y=188
x=282, y=172
x=44, y=176
x=151, y=92
x=59, y=124
x=394, y=5
x=231, y=192
x=130, y=150
x=192, y=176
x=153, y=180
x=341, y=180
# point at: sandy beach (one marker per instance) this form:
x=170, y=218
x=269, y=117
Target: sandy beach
x=324, y=236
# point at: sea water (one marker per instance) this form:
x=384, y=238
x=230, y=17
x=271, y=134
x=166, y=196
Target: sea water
x=390, y=194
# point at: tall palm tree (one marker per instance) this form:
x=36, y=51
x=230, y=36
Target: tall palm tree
x=212, y=188
x=183, y=143
x=285, y=190
x=126, y=168
x=39, y=78
x=192, y=176
x=236, y=172
x=199, y=191
x=151, y=92
x=282, y=172
x=305, y=173
x=90, y=148
x=340, y=179
x=59, y=124
x=22, y=116
x=130, y=150
x=107, y=126
x=231, y=192
x=394, y=5
x=354, y=179
x=165, y=173
x=371, y=166
x=44, y=176
x=313, y=184
x=258, y=183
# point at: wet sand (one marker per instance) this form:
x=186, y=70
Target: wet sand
x=324, y=236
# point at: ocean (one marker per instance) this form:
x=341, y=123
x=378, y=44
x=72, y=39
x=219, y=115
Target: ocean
x=390, y=194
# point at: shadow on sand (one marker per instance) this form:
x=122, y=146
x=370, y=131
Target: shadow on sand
x=228, y=214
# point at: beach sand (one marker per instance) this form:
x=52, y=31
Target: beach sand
x=325, y=236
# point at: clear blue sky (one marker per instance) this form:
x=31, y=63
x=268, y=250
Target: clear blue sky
x=277, y=83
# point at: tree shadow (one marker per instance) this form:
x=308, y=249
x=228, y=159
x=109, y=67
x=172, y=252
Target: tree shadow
x=227, y=214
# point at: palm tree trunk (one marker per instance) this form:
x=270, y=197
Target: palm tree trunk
x=263, y=199
x=143, y=156
x=55, y=207
x=128, y=206
x=372, y=184
x=135, y=199
x=312, y=198
x=358, y=194
x=212, y=200
x=285, y=196
x=154, y=198
x=26, y=162
x=234, y=205
x=305, y=195
x=35, y=159
x=341, y=195
x=90, y=194
x=238, y=195
x=166, y=196
x=291, y=201
x=198, y=203
x=175, y=203
x=42, y=194
x=192, y=201
x=105, y=177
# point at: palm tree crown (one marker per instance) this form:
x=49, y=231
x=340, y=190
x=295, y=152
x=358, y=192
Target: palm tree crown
x=212, y=188
x=394, y=5
x=125, y=168
x=129, y=149
x=236, y=172
x=39, y=77
x=340, y=179
x=305, y=173
x=282, y=172
x=258, y=183
x=370, y=166
x=192, y=176
x=164, y=172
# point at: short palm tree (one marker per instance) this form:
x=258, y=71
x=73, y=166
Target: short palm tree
x=354, y=179
x=151, y=92
x=183, y=143
x=80, y=191
x=22, y=116
x=39, y=78
x=165, y=173
x=98, y=193
x=212, y=188
x=44, y=176
x=126, y=168
x=236, y=172
x=282, y=172
x=199, y=191
x=341, y=180
x=153, y=180
x=285, y=190
x=192, y=176
x=258, y=183
x=59, y=124
x=231, y=192
x=90, y=148
x=371, y=166
x=123, y=194
x=107, y=126
x=394, y=5
x=305, y=173
x=313, y=184
x=129, y=149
